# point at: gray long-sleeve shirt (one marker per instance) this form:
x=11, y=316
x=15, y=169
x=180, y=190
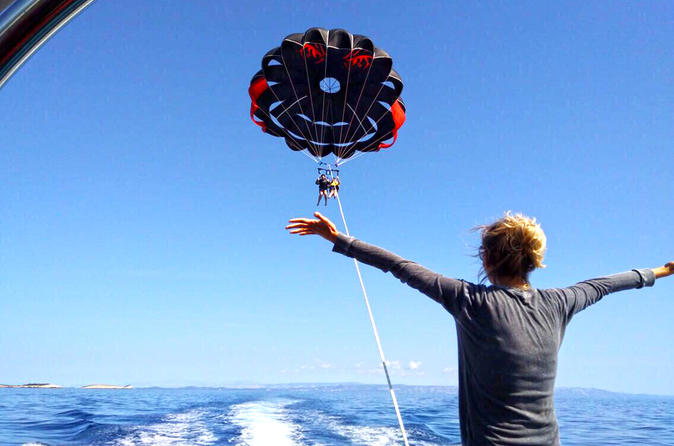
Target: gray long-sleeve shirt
x=508, y=342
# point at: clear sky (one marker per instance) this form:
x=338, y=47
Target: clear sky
x=142, y=213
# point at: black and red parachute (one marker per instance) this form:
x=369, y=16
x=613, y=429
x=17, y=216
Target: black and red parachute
x=328, y=91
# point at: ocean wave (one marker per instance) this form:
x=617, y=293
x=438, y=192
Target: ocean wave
x=75, y=413
x=59, y=429
x=265, y=423
x=174, y=429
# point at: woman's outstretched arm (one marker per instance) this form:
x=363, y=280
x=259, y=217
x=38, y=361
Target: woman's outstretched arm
x=580, y=296
x=450, y=293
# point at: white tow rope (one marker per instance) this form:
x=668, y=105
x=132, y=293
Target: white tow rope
x=376, y=334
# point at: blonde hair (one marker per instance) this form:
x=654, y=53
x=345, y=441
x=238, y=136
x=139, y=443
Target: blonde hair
x=512, y=246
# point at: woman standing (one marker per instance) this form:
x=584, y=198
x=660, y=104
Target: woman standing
x=508, y=333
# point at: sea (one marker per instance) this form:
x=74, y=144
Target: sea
x=303, y=414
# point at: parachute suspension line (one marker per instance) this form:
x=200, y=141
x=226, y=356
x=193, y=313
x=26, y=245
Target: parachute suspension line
x=318, y=152
x=381, y=138
x=285, y=109
x=342, y=161
x=325, y=75
x=311, y=99
x=376, y=334
x=360, y=123
x=346, y=99
x=310, y=155
x=376, y=141
x=344, y=150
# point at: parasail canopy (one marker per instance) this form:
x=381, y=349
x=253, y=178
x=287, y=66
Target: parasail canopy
x=328, y=91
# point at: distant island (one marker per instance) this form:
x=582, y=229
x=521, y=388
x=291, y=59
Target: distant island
x=106, y=386
x=56, y=386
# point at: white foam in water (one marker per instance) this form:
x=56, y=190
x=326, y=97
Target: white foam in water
x=369, y=435
x=265, y=423
x=365, y=435
x=187, y=428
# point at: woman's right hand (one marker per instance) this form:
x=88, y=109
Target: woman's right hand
x=664, y=271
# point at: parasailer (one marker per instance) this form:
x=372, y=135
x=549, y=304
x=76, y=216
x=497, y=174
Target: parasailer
x=334, y=187
x=323, y=184
x=331, y=92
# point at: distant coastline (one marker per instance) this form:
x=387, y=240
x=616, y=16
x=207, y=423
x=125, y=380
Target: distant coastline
x=56, y=386
x=559, y=391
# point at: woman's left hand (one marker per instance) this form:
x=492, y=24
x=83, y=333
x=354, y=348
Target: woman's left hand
x=307, y=226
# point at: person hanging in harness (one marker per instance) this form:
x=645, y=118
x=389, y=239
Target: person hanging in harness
x=323, y=184
x=508, y=334
x=334, y=187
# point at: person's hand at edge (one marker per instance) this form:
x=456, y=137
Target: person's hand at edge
x=664, y=271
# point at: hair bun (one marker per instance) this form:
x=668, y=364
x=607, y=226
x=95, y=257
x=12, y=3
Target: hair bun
x=513, y=245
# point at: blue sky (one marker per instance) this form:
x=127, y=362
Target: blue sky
x=142, y=213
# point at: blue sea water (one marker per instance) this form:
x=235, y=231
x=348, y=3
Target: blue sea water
x=301, y=415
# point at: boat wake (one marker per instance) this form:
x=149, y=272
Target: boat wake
x=174, y=429
x=264, y=423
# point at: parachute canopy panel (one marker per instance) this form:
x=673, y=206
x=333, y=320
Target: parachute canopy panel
x=328, y=92
x=26, y=24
